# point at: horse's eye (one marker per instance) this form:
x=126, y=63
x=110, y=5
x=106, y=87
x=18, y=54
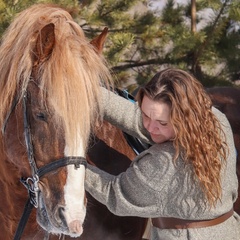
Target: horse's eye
x=41, y=116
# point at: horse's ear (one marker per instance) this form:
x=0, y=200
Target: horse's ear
x=45, y=43
x=99, y=41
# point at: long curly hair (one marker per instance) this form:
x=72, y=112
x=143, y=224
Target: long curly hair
x=199, y=139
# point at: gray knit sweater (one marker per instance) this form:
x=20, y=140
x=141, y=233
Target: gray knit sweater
x=155, y=187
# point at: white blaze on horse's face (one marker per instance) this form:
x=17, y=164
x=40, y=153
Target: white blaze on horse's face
x=74, y=195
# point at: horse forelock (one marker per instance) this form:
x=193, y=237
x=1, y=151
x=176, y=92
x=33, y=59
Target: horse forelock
x=70, y=78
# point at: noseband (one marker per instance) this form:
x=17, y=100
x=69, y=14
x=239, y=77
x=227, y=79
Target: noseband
x=31, y=183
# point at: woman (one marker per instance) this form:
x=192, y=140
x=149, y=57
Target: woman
x=186, y=181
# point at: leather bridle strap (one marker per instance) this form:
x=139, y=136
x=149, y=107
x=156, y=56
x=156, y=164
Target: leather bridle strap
x=76, y=161
x=28, y=138
x=23, y=221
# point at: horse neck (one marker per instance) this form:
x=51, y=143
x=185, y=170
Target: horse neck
x=107, y=133
x=10, y=177
x=13, y=195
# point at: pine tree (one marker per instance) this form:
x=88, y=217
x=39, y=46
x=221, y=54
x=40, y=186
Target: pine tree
x=143, y=40
x=140, y=44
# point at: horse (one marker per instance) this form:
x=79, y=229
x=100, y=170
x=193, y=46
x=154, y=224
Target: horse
x=227, y=100
x=51, y=124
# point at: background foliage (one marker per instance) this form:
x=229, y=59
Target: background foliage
x=144, y=38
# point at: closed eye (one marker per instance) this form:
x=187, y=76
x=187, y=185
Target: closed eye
x=163, y=123
x=41, y=116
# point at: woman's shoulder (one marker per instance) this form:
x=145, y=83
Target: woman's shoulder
x=220, y=115
x=163, y=152
x=155, y=166
x=226, y=127
x=165, y=147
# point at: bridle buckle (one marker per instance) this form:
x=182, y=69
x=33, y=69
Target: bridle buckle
x=31, y=183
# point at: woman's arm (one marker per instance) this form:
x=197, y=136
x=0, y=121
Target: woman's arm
x=124, y=114
x=132, y=193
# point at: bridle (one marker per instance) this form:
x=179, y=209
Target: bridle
x=31, y=183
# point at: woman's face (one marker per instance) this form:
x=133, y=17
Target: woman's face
x=156, y=119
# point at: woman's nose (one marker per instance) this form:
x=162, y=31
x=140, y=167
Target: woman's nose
x=152, y=127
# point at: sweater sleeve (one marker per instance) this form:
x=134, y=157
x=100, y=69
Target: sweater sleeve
x=132, y=193
x=124, y=114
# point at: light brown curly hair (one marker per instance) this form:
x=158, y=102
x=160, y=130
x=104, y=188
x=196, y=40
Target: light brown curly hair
x=199, y=139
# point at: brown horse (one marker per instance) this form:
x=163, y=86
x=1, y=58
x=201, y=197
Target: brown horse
x=50, y=103
x=227, y=100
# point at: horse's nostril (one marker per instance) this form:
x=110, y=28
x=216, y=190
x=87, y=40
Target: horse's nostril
x=60, y=216
x=75, y=227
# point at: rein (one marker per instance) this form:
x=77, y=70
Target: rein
x=31, y=183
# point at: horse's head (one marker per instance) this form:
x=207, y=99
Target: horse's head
x=51, y=92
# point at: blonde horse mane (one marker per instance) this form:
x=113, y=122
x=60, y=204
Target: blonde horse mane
x=70, y=79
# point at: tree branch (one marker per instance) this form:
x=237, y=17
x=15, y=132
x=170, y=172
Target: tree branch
x=153, y=61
